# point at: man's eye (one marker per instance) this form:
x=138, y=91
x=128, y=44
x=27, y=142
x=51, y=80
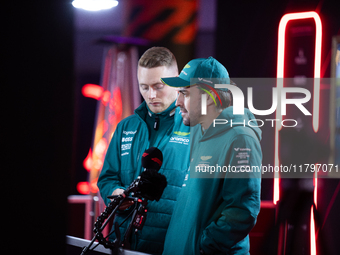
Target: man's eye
x=145, y=87
x=159, y=86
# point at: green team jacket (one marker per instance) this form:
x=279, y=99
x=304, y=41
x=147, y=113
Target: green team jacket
x=123, y=164
x=216, y=210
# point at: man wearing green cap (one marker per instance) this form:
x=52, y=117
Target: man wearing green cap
x=219, y=201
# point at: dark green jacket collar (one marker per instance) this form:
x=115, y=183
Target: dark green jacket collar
x=143, y=110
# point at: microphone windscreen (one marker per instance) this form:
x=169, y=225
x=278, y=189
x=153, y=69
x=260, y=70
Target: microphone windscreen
x=152, y=159
x=152, y=184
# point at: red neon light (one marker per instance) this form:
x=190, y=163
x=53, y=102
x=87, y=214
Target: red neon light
x=276, y=196
x=92, y=91
x=317, y=61
x=87, y=163
x=280, y=72
x=94, y=161
x=93, y=186
x=316, y=189
x=106, y=97
x=83, y=188
x=312, y=233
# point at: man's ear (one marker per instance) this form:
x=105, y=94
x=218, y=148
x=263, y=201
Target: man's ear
x=211, y=98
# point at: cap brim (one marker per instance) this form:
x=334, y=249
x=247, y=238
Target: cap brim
x=175, y=82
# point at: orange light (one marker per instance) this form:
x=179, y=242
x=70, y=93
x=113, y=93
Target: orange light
x=92, y=91
x=99, y=154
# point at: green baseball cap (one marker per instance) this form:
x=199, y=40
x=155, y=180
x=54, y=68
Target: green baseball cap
x=202, y=69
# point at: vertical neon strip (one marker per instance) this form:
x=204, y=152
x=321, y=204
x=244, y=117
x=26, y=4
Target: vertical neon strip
x=316, y=189
x=276, y=196
x=312, y=233
x=312, y=221
x=280, y=74
x=317, y=71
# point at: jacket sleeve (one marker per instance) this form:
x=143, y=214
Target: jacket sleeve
x=240, y=205
x=109, y=178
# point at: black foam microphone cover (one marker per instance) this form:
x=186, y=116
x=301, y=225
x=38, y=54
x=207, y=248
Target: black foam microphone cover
x=152, y=159
x=152, y=184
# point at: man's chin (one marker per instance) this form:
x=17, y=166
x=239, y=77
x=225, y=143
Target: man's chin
x=186, y=121
x=158, y=108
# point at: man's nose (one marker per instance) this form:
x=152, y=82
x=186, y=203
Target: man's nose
x=152, y=93
x=179, y=101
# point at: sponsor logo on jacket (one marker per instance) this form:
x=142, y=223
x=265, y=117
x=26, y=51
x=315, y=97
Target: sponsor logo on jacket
x=129, y=132
x=126, y=141
x=180, y=133
x=180, y=138
x=126, y=146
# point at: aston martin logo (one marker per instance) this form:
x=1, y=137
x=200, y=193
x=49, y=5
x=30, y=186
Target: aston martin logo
x=181, y=133
x=206, y=157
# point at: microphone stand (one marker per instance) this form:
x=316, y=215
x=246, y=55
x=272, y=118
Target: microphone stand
x=139, y=188
x=108, y=213
x=137, y=221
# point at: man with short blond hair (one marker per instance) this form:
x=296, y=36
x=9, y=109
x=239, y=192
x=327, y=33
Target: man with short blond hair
x=156, y=123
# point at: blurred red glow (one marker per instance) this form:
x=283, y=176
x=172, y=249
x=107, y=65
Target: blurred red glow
x=106, y=97
x=93, y=91
x=93, y=186
x=94, y=159
x=87, y=163
x=83, y=188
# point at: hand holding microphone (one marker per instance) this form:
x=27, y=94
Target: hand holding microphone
x=150, y=184
x=126, y=204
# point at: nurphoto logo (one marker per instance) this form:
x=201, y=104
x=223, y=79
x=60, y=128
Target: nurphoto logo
x=239, y=99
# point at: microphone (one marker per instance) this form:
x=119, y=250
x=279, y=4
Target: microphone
x=150, y=184
x=152, y=159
